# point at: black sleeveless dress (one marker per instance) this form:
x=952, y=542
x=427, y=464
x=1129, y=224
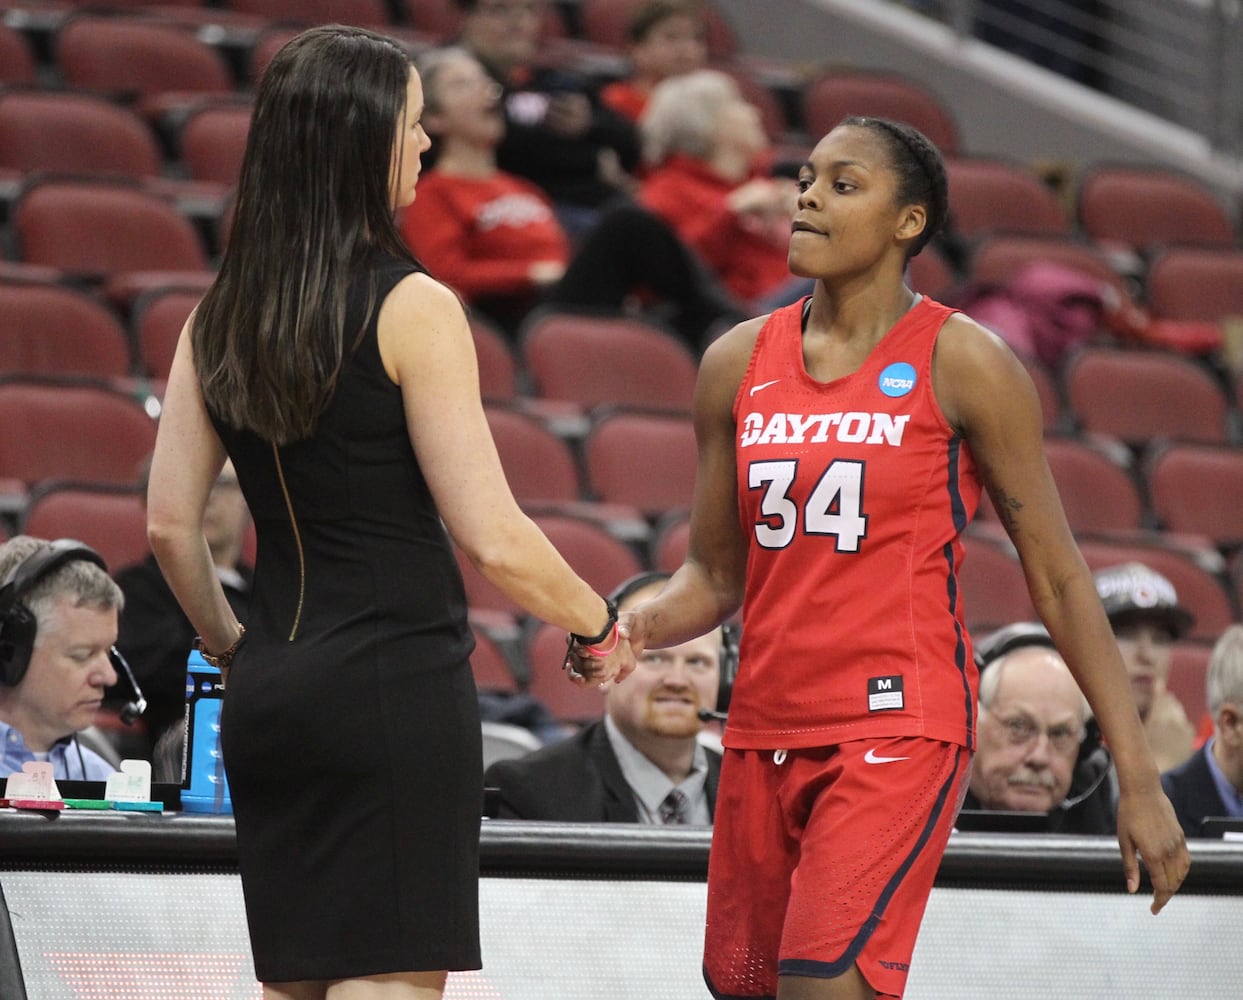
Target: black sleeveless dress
x=350, y=727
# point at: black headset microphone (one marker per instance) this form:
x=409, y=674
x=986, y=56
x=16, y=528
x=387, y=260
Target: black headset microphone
x=1014, y=636
x=18, y=625
x=729, y=644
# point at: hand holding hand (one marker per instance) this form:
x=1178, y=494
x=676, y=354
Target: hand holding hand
x=1147, y=827
x=599, y=664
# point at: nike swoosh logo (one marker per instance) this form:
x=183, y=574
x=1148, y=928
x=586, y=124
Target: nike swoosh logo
x=872, y=758
x=763, y=385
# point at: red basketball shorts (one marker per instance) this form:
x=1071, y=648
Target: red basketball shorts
x=824, y=858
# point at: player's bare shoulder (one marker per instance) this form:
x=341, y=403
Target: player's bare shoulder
x=725, y=360
x=975, y=371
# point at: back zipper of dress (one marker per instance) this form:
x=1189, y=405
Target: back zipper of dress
x=297, y=537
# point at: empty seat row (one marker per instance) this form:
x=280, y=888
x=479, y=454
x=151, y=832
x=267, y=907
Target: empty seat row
x=1182, y=488
x=1116, y=206
x=995, y=592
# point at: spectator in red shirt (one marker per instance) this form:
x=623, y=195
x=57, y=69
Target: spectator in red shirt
x=558, y=133
x=708, y=158
x=496, y=239
x=665, y=38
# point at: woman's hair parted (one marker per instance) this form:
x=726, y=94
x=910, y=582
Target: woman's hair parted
x=313, y=202
x=919, y=169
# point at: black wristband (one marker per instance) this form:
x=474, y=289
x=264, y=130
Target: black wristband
x=594, y=640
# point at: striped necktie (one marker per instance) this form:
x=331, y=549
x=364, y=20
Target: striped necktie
x=674, y=808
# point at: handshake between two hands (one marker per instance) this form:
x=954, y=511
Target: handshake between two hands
x=608, y=662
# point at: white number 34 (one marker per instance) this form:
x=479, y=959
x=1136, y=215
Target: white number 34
x=834, y=506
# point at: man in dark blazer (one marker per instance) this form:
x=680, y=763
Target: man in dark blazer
x=644, y=761
x=1210, y=782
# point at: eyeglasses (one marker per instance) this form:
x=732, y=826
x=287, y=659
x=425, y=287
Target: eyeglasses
x=1021, y=730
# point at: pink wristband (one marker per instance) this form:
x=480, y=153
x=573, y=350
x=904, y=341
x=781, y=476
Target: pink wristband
x=597, y=651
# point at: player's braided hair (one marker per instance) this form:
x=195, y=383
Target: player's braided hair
x=920, y=170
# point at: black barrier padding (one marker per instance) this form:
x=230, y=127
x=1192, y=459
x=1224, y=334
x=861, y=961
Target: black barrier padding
x=1038, y=862
x=12, y=986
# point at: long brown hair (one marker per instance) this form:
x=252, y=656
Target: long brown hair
x=313, y=203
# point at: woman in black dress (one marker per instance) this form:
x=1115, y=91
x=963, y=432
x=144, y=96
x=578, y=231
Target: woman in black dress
x=341, y=381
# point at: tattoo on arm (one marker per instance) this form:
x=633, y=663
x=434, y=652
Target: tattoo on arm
x=1008, y=509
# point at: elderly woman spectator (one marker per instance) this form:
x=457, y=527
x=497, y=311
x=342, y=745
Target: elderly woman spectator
x=708, y=160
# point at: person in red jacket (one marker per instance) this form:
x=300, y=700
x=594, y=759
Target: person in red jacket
x=708, y=158
x=665, y=38
x=495, y=238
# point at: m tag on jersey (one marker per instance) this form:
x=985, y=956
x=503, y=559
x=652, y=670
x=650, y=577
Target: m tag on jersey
x=884, y=693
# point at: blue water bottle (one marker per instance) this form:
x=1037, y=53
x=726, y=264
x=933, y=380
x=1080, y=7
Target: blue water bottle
x=204, y=787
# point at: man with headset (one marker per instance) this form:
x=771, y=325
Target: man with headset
x=643, y=762
x=58, y=623
x=1039, y=751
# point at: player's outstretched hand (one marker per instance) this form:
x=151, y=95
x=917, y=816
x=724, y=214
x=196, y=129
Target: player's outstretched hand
x=585, y=665
x=1149, y=830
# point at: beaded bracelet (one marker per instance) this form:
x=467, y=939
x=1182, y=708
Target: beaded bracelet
x=220, y=660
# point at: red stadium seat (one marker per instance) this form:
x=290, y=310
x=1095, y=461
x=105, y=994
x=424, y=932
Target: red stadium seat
x=111, y=520
x=1188, y=677
x=996, y=196
x=567, y=702
x=57, y=330
x=540, y=467
x=109, y=232
x=160, y=66
x=930, y=274
x=158, y=317
x=490, y=664
x=645, y=460
x=52, y=131
x=367, y=13
x=498, y=368
x=993, y=588
x=267, y=44
x=671, y=541
x=86, y=433
x=1196, y=489
x=17, y=58
x=1137, y=396
x=1190, y=283
x=1097, y=483
x=997, y=259
x=594, y=360
x=837, y=94
x=212, y=140
x=1142, y=208
x=439, y=18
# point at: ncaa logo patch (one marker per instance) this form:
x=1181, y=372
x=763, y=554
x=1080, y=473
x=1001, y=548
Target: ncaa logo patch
x=897, y=380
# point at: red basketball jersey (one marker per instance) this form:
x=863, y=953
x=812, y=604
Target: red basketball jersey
x=854, y=494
